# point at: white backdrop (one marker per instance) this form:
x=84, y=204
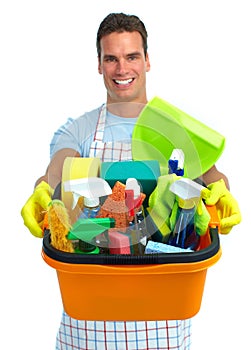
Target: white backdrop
x=200, y=57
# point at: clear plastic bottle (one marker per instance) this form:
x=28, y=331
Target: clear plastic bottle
x=184, y=233
x=136, y=226
x=90, y=211
x=91, y=208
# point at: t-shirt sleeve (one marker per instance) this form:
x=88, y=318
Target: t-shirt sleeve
x=65, y=137
x=76, y=134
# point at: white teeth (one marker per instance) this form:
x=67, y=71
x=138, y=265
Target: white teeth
x=123, y=82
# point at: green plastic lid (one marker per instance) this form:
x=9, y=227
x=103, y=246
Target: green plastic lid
x=161, y=127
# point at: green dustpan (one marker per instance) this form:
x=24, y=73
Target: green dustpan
x=161, y=127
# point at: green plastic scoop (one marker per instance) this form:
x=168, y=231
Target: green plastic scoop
x=87, y=229
x=162, y=127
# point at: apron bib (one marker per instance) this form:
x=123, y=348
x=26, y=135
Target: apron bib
x=108, y=151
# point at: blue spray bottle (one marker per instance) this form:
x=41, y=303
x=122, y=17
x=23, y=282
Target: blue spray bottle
x=188, y=194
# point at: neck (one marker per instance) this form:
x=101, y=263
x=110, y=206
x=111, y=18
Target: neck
x=125, y=109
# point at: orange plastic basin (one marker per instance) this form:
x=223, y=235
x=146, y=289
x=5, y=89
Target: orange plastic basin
x=163, y=291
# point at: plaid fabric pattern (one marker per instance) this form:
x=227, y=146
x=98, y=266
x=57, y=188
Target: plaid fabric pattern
x=108, y=151
x=111, y=150
x=123, y=335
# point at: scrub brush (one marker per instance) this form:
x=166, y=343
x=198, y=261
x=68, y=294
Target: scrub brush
x=59, y=225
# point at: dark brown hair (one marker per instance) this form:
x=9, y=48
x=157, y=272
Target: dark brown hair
x=120, y=22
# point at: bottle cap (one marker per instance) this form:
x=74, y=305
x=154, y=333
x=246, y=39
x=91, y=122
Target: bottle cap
x=91, y=202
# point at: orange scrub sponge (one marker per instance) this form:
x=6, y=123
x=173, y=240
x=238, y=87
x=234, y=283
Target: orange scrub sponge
x=115, y=207
x=59, y=224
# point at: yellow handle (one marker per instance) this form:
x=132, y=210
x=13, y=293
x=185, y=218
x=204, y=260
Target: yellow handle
x=77, y=168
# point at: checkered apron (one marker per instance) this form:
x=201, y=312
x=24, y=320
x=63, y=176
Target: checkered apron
x=108, y=151
x=120, y=335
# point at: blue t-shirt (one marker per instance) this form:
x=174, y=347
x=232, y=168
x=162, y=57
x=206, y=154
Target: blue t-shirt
x=78, y=134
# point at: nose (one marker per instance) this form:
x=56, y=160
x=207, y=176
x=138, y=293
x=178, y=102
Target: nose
x=122, y=67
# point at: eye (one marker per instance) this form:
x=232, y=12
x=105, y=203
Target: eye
x=110, y=59
x=132, y=58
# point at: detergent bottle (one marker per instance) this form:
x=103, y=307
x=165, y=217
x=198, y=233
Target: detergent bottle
x=183, y=233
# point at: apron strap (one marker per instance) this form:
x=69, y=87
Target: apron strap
x=99, y=133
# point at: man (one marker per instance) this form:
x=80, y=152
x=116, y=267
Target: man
x=106, y=133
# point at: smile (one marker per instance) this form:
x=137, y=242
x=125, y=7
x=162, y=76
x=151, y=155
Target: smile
x=123, y=82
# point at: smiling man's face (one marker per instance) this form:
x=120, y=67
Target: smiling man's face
x=124, y=66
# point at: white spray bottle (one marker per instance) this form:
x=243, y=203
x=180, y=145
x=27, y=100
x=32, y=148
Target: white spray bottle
x=91, y=188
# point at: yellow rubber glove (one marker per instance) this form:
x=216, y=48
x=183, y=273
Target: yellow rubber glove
x=227, y=207
x=161, y=202
x=35, y=208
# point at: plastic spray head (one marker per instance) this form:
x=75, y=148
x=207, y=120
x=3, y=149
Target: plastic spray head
x=176, y=162
x=187, y=191
x=132, y=184
x=88, y=187
x=133, y=196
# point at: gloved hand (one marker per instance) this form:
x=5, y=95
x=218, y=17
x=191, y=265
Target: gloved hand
x=35, y=208
x=161, y=203
x=227, y=207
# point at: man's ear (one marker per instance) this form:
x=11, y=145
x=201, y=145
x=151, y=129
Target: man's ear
x=148, y=65
x=99, y=67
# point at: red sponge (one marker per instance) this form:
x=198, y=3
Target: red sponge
x=118, y=243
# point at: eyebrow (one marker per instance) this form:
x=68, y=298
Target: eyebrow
x=136, y=53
